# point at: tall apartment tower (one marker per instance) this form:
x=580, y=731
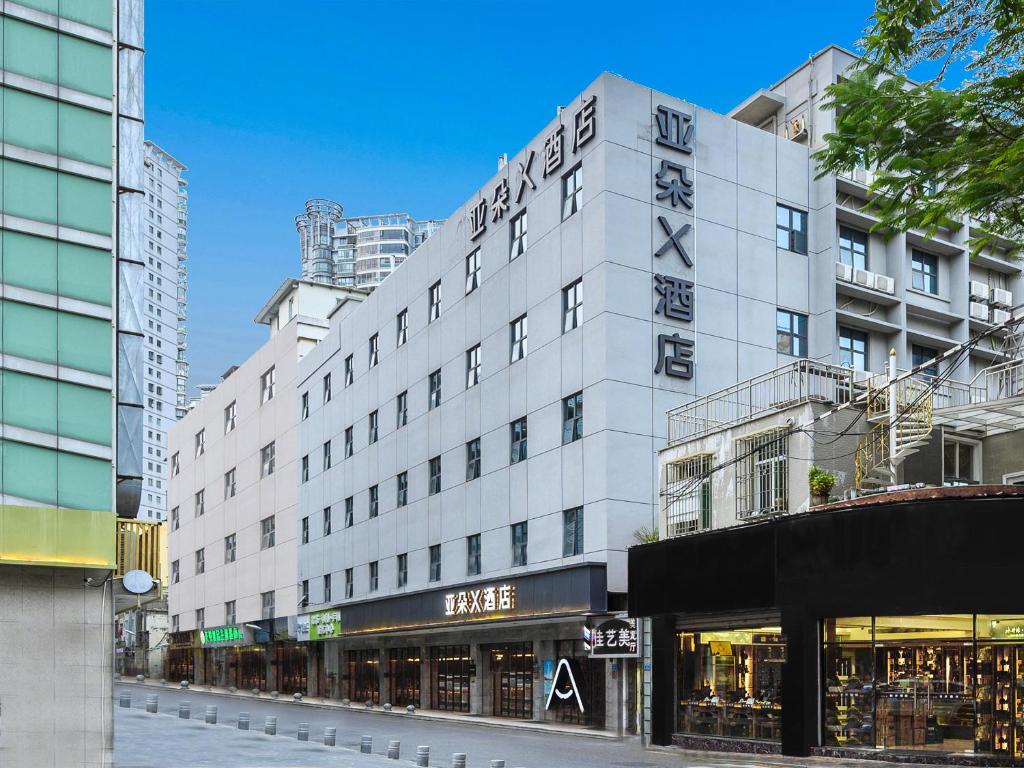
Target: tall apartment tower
x=166, y=370
x=72, y=160
x=357, y=251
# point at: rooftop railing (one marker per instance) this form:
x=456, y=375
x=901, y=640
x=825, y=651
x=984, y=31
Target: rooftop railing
x=801, y=381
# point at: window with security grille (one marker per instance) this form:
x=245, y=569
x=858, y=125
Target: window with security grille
x=762, y=486
x=688, y=495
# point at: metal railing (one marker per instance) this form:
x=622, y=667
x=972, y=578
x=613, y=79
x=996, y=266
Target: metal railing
x=141, y=546
x=799, y=382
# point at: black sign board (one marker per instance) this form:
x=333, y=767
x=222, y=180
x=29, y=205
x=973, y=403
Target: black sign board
x=564, y=690
x=614, y=638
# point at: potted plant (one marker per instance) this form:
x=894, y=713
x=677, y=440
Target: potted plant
x=821, y=483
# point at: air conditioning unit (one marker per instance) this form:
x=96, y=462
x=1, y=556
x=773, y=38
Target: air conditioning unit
x=796, y=128
x=1000, y=316
x=979, y=291
x=863, y=277
x=885, y=284
x=979, y=311
x=844, y=272
x=1002, y=297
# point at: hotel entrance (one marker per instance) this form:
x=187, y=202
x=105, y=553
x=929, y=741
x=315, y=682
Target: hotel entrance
x=512, y=680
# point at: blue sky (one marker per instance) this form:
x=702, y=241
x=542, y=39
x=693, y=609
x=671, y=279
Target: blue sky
x=404, y=106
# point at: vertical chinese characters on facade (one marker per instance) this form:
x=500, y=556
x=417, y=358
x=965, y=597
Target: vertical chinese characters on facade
x=675, y=295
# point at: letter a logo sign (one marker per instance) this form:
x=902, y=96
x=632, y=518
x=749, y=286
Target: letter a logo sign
x=564, y=689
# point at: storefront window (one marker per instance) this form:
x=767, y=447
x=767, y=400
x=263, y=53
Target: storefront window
x=179, y=664
x=730, y=683
x=1000, y=688
x=912, y=683
x=450, y=667
x=363, y=675
x=404, y=673
x=512, y=680
x=250, y=667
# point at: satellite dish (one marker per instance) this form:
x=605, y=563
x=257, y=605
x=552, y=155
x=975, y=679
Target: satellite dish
x=137, y=582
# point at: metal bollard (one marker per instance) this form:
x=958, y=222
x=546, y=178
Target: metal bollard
x=270, y=727
x=422, y=757
x=151, y=702
x=303, y=734
x=126, y=699
x=497, y=764
x=185, y=710
x=458, y=760
x=184, y=684
x=394, y=748
x=139, y=678
x=211, y=714
x=243, y=721
x=330, y=735
x=366, y=744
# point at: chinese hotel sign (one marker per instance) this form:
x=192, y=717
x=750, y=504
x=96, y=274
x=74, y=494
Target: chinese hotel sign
x=674, y=188
x=474, y=602
x=494, y=206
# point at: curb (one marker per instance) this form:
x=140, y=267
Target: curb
x=468, y=720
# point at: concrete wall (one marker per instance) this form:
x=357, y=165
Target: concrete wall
x=255, y=571
x=56, y=646
x=1002, y=455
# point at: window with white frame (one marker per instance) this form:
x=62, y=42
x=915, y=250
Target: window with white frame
x=473, y=366
x=572, y=305
x=402, y=328
x=517, y=339
x=572, y=192
x=229, y=417
x=762, y=471
x=200, y=443
x=517, y=235
x=267, y=455
x=327, y=388
x=229, y=548
x=267, y=532
x=349, y=370
x=434, y=302
x=961, y=461
x=200, y=502
x=267, y=604
x=374, y=350
x=688, y=495
x=229, y=483
x=268, y=384
x=473, y=271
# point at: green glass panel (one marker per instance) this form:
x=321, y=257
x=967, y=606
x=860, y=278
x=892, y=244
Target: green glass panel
x=85, y=343
x=83, y=482
x=85, y=273
x=61, y=537
x=84, y=204
x=30, y=262
x=30, y=50
x=84, y=413
x=30, y=121
x=86, y=66
x=30, y=402
x=85, y=135
x=29, y=332
x=47, y=6
x=91, y=12
x=30, y=192
x=30, y=472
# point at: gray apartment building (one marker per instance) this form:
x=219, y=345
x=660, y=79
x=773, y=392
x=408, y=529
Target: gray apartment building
x=463, y=519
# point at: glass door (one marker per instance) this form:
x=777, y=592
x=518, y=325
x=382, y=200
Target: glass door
x=512, y=680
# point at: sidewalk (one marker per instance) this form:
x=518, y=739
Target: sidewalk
x=425, y=714
x=144, y=740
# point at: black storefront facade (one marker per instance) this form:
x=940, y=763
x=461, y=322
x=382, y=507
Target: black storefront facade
x=889, y=627
x=488, y=648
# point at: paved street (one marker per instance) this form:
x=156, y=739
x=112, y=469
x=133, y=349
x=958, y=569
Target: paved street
x=163, y=741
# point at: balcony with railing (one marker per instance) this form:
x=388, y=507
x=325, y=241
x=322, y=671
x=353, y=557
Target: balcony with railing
x=800, y=382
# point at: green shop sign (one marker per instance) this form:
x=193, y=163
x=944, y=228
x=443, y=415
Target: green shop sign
x=321, y=625
x=221, y=635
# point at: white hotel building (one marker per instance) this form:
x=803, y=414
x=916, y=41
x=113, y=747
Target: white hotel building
x=640, y=251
